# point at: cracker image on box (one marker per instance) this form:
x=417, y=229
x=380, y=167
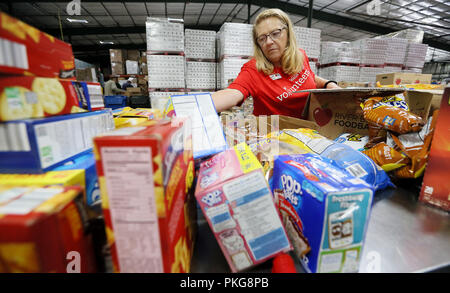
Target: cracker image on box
x=325, y=210
x=245, y=221
x=50, y=94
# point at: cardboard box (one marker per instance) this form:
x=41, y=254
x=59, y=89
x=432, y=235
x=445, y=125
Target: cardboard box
x=43, y=230
x=403, y=78
x=117, y=55
x=117, y=68
x=436, y=187
x=133, y=91
x=145, y=174
x=132, y=67
x=243, y=219
x=325, y=211
x=133, y=55
x=338, y=111
x=28, y=51
x=23, y=97
x=39, y=145
x=88, y=74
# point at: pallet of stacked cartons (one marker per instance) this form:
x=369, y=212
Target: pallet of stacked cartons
x=340, y=61
x=373, y=58
x=235, y=48
x=200, y=47
x=118, y=58
x=415, y=57
x=165, y=55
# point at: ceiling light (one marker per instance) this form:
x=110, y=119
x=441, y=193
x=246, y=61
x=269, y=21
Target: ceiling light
x=106, y=43
x=77, y=20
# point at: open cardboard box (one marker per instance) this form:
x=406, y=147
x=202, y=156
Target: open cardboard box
x=338, y=111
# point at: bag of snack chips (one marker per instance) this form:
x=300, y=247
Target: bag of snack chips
x=343, y=156
x=391, y=113
x=386, y=157
x=416, y=146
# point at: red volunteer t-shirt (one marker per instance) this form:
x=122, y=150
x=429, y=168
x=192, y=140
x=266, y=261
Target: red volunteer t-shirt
x=274, y=93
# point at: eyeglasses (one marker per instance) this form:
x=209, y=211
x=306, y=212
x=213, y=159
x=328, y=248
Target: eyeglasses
x=275, y=35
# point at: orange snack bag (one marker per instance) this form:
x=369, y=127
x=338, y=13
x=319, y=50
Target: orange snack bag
x=389, y=113
x=386, y=157
x=417, y=153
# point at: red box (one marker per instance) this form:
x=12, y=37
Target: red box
x=145, y=175
x=42, y=231
x=24, y=97
x=436, y=186
x=28, y=51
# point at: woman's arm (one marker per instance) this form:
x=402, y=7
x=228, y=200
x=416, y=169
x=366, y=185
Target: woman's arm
x=320, y=83
x=227, y=98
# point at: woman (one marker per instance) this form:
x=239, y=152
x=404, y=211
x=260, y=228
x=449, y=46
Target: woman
x=279, y=68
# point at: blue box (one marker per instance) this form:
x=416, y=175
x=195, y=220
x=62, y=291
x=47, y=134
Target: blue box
x=86, y=162
x=115, y=102
x=38, y=145
x=325, y=211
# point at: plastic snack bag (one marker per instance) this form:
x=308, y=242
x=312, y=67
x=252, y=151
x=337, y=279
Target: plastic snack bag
x=356, y=141
x=386, y=157
x=343, y=156
x=417, y=147
x=389, y=113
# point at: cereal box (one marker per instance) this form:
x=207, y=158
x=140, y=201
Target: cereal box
x=85, y=164
x=39, y=145
x=28, y=51
x=35, y=97
x=435, y=186
x=42, y=230
x=238, y=205
x=325, y=211
x=145, y=174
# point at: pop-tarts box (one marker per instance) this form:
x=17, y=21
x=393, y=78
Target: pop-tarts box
x=238, y=205
x=36, y=146
x=325, y=211
x=87, y=164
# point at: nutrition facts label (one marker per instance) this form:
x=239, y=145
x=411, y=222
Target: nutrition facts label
x=129, y=180
x=256, y=215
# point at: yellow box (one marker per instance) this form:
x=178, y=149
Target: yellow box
x=64, y=178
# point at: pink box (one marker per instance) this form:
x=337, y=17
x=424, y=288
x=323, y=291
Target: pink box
x=238, y=205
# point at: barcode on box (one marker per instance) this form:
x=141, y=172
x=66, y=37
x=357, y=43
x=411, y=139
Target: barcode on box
x=13, y=54
x=356, y=170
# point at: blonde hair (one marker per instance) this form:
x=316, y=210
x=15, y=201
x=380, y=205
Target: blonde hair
x=291, y=59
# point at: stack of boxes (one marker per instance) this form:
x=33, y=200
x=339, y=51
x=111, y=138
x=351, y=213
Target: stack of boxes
x=165, y=56
x=309, y=40
x=234, y=49
x=396, y=54
x=373, y=58
x=47, y=120
x=200, y=52
x=130, y=63
x=415, y=57
x=340, y=61
x=118, y=58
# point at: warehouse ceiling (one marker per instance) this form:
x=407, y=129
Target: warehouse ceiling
x=123, y=22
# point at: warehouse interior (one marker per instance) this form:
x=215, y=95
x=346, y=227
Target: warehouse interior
x=123, y=22
x=225, y=136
